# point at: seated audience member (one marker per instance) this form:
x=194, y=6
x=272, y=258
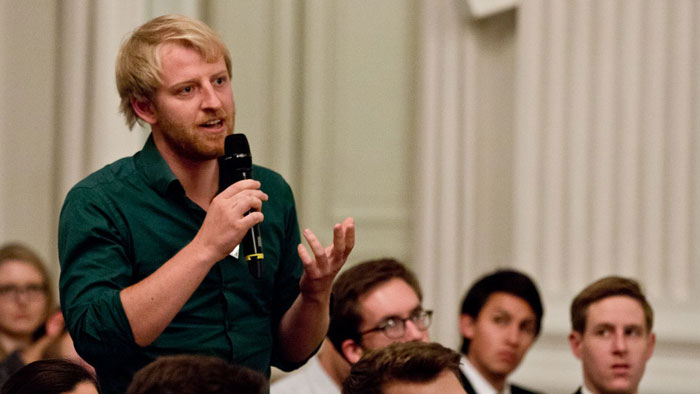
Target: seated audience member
x=406, y=368
x=611, y=323
x=54, y=376
x=195, y=374
x=501, y=318
x=25, y=302
x=376, y=303
x=55, y=343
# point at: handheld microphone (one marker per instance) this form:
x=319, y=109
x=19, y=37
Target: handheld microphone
x=235, y=165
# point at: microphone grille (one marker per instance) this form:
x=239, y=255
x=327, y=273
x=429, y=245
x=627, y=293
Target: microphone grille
x=236, y=144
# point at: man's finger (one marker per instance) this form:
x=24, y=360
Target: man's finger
x=315, y=244
x=239, y=186
x=349, y=232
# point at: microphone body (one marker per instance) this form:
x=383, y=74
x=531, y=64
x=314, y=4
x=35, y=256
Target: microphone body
x=236, y=164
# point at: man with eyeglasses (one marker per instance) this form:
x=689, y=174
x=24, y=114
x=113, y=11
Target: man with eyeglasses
x=501, y=318
x=376, y=303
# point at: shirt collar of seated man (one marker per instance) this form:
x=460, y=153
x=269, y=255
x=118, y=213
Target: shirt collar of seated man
x=478, y=382
x=616, y=339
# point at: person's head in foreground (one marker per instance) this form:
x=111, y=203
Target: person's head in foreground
x=54, y=376
x=377, y=302
x=500, y=319
x=406, y=368
x=611, y=322
x=195, y=374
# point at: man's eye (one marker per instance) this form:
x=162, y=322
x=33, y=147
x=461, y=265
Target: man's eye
x=603, y=332
x=220, y=81
x=186, y=90
x=634, y=332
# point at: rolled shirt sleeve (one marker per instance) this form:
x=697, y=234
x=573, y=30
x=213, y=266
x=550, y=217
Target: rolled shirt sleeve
x=94, y=269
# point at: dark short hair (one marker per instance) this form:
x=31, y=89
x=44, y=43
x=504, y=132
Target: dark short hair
x=196, y=374
x=52, y=376
x=505, y=281
x=418, y=362
x=354, y=283
x=603, y=288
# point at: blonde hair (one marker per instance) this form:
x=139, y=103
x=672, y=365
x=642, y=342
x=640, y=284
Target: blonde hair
x=138, y=66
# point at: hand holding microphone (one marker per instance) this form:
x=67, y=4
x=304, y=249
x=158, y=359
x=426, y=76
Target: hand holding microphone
x=236, y=164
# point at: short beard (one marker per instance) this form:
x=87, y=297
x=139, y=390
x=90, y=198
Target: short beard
x=190, y=146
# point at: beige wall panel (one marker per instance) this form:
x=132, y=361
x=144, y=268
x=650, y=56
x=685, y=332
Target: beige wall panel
x=27, y=129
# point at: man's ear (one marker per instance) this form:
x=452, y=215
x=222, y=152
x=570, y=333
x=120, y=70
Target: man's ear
x=575, y=341
x=145, y=110
x=352, y=351
x=466, y=326
x=651, y=341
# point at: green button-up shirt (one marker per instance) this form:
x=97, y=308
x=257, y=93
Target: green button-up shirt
x=124, y=221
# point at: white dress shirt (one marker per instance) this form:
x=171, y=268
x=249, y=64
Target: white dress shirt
x=480, y=385
x=311, y=379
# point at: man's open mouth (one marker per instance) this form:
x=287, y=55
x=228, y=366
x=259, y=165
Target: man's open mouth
x=212, y=123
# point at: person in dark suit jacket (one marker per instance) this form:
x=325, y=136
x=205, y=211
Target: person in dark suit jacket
x=501, y=318
x=611, y=334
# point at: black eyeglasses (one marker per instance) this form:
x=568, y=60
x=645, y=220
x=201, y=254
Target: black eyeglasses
x=395, y=327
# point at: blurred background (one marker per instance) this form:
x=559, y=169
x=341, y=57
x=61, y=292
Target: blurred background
x=559, y=137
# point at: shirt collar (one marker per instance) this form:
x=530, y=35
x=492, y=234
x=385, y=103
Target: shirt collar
x=480, y=385
x=154, y=168
x=585, y=390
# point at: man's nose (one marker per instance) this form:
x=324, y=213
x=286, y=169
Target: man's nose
x=210, y=97
x=512, y=334
x=620, y=342
x=22, y=295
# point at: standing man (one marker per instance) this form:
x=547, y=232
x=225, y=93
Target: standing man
x=377, y=303
x=146, y=243
x=611, y=323
x=501, y=318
